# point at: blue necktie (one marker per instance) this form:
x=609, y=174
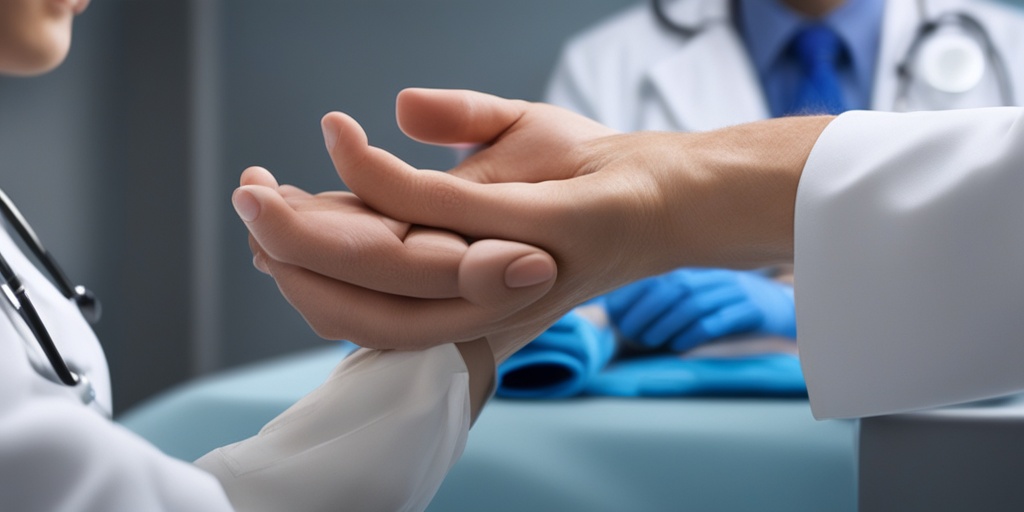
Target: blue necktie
x=818, y=50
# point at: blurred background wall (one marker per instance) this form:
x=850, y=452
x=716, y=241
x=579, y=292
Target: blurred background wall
x=124, y=159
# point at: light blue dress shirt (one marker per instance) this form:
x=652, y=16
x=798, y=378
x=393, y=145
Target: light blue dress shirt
x=768, y=26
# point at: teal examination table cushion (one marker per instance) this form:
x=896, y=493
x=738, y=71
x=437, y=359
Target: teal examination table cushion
x=584, y=454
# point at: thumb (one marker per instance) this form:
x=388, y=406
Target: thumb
x=439, y=116
x=509, y=275
x=267, y=216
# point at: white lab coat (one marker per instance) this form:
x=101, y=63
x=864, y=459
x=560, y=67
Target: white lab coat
x=908, y=254
x=380, y=434
x=631, y=74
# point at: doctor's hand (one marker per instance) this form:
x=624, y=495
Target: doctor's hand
x=690, y=306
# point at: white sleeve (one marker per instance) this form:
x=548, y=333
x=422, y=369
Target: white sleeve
x=380, y=434
x=57, y=455
x=909, y=244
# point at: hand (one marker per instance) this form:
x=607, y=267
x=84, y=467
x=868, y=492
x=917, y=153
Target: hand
x=610, y=208
x=335, y=259
x=640, y=203
x=688, y=307
x=325, y=272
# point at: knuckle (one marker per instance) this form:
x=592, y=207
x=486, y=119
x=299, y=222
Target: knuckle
x=445, y=197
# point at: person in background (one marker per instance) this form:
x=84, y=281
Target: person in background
x=698, y=65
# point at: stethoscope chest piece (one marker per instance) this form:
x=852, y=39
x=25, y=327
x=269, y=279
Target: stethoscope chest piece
x=951, y=62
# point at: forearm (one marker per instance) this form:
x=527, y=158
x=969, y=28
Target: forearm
x=730, y=196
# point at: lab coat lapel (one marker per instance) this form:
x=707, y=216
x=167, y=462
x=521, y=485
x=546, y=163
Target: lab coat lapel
x=898, y=27
x=710, y=82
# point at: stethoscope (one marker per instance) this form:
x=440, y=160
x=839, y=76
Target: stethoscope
x=18, y=297
x=954, y=63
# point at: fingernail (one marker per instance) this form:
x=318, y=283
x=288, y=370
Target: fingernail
x=529, y=270
x=245, y=205
x=330, y=133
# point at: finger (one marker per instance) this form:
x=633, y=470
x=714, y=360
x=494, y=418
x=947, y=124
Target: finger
x=699, y=304
x=509, y=211
x=700, y=278
x=363, y=253
x=257, y=176
x=259, y=256
x=659, y=301
x=439, y=116
x=492, y=272
x=292, y=193
x=499, y=273
x=733, y=319
x=618, y=301
x=697, y=307
x=338, y=310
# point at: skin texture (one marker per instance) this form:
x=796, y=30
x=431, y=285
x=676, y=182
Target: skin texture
x=608, y=208
x=35, y=35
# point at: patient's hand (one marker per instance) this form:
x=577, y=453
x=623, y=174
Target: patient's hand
x=356, y=275
x=341, y=264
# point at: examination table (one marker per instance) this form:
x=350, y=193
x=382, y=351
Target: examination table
x=585, y=454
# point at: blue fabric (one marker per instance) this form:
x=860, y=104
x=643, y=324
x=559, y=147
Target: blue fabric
x=574, y=357
x=559, y=363
x=768, y=28
x=672, y=375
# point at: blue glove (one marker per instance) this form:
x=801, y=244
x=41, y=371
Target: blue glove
x=559, y=362
x=690, y=306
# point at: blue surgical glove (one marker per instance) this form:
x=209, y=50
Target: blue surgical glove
x=690, y=306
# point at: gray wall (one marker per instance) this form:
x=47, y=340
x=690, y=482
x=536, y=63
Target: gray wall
x=95, y=155
x=125, y=157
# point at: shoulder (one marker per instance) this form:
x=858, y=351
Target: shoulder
x=1004, y=26
x=996, y=17
x=631, y=35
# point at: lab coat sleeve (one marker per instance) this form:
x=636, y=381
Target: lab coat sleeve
x=909, y=245
x=379, y=434
x=60, y=456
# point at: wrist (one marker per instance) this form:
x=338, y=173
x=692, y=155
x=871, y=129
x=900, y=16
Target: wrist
x=479, y=360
